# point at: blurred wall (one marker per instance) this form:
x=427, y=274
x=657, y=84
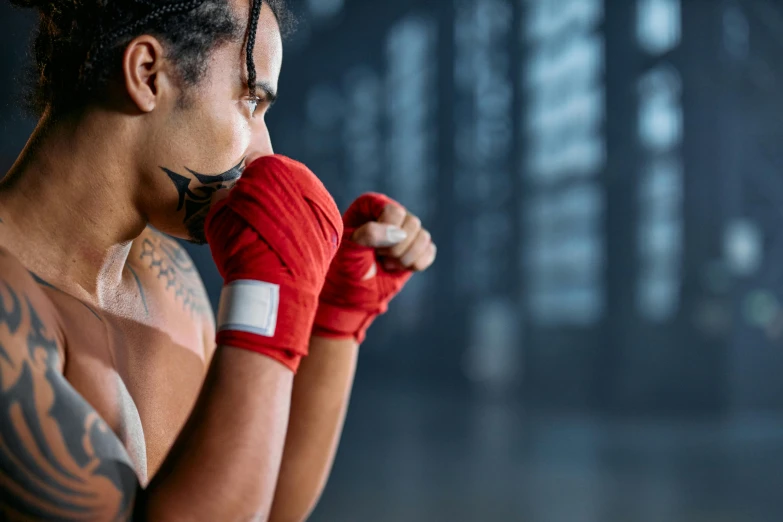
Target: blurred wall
x=601, y=177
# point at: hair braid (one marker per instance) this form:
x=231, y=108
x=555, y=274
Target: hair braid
x=79, y=45
x=104, y=41
x=255, y=11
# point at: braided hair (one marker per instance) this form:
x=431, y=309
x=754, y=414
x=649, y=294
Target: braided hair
x=79, y=45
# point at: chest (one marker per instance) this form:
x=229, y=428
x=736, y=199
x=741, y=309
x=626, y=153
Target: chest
x=140, y=363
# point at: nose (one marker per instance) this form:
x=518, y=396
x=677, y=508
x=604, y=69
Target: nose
x=260, y=143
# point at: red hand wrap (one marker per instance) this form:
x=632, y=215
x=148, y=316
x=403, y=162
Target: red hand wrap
x=347, y=304
x=278, y=225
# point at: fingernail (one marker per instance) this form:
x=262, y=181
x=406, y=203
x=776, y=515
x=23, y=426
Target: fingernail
x=395, y=234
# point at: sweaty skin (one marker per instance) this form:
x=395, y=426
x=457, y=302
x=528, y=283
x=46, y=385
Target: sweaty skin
x=113, y=397
x=106, y=332
x=144, y=395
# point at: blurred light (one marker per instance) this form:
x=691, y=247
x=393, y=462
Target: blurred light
x=658, y=25
x=362, y=133
x=484, y=182
x=564, y=116
x=761, y=308
x=411, y=107
x=736, y=33
x=663, y=183
x=324, y=8
x=659, y=297
x=411, y=112
x=565, y=256
x=553, y=159
x=660, y=111
x=743, y=247
x=660, y=225
x=576, y=55
x=660, y=236
x=549, y=19
x=586, y=106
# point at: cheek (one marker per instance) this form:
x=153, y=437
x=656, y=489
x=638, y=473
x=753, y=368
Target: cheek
x=220, y=140
x=237, y=138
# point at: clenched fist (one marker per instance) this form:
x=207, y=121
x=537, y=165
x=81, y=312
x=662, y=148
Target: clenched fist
x=382, y=246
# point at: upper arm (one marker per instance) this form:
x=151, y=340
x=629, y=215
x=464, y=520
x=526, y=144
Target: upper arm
x=58, y=458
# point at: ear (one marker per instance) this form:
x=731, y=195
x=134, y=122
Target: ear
x=144, y=72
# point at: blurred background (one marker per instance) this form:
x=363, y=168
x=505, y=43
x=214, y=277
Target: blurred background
x=601, y=339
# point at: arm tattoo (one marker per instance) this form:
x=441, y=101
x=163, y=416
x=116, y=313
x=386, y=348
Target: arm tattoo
x=172, y=264
x=58, y=459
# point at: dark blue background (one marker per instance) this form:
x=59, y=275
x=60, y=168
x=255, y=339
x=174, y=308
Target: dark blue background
x=600, y=339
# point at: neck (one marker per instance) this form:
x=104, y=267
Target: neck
x=67, y=204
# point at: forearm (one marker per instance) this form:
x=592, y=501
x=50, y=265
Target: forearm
x=225, y=462
x=321, y=391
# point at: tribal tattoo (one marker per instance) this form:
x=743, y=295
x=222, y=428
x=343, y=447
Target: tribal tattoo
x=58, y=459
x=171, y=263
x=197, y=201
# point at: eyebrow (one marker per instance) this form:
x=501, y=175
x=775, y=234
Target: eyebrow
x=268, y=93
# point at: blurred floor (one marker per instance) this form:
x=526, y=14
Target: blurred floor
x=430, y=456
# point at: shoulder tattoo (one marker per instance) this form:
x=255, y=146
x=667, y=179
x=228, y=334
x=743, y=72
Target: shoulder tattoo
x=171, y=264
x=58, y=458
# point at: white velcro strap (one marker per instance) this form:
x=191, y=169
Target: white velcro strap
x=249, y=306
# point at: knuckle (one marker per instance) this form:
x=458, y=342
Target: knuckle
x=414, y=222
x=395, y=211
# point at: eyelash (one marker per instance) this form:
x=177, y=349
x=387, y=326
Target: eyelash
x=255, y=101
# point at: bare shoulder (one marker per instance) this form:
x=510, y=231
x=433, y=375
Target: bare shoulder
x=11, y=267
x=52, y=438
x=22, y=296
x=166, y=272
x=172, y=271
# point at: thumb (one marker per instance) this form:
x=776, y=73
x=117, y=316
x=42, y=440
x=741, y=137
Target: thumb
x=378, y=235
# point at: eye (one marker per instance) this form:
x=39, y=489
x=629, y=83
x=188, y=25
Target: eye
x=253, y=102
